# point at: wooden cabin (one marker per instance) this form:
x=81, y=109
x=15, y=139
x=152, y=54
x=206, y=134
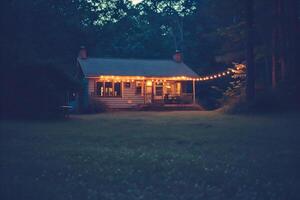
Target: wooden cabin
x=132, y=83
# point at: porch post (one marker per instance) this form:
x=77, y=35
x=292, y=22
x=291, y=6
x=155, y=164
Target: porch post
x=194, y=92
x=122, y=89
x=144, y=91
x=152, y=95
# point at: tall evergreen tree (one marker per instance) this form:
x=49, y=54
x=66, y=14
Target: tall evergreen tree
x=250, y=87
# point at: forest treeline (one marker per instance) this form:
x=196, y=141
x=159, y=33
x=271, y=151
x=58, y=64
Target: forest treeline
x=212, y=34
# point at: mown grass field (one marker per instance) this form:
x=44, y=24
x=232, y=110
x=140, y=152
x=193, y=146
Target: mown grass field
x=152, y=155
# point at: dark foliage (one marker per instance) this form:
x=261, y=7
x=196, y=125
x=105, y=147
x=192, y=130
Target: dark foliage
x=34, y=91
x=267, y=102
x=210, y=94
x=209, y=33
x=95, y=107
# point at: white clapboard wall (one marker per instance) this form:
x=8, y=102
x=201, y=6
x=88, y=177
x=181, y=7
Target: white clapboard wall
x=129, y=97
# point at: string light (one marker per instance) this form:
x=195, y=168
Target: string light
x=239, y=70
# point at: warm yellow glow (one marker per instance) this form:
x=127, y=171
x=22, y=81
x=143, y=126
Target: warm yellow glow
x=149, y=83
x=149, y=80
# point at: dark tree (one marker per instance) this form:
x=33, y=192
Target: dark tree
x=250, y=86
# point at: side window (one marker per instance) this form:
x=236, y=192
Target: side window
x=108, y=89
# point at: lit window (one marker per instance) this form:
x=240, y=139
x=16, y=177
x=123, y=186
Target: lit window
x=178, y=88
x=168, y=87
x=109, y=89
x=149, y=83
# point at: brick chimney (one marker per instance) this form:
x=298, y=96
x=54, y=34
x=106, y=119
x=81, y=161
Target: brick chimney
x=82, y=53
x=178, y=56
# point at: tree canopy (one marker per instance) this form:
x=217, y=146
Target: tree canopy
x=212, y=34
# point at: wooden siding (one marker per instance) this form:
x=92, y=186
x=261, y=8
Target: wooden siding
x=91, y=87
x=128, y=100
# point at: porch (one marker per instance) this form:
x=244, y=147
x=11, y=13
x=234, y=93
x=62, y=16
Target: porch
x=168, y=92
x=136, y=92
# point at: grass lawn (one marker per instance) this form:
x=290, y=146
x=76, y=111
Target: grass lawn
x=152, y=155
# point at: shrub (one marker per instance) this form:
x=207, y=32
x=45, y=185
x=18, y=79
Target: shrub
x=211, y=97
x=265, y=102
x=95, y=107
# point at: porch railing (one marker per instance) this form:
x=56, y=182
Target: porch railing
x=185, y=98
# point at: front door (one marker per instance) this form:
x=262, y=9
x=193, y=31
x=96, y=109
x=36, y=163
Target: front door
x=148, y=92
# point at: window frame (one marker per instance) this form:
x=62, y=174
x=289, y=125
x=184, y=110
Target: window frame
x=104, y=94
x=114, y=89
x=96, y=91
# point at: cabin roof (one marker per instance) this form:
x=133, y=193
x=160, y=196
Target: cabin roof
x=134, y=67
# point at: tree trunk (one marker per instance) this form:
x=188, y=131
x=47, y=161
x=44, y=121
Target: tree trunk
x=292, y=38
x=274, y=58
x=276, y=44
x=267, y=72
x=250, y=87
x=282, y=40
